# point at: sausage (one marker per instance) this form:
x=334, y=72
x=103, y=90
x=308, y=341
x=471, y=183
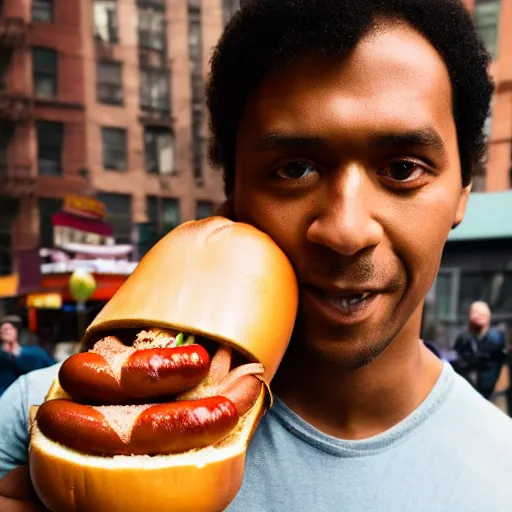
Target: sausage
x=145, y=374
x=243, y=392
x=137, y=430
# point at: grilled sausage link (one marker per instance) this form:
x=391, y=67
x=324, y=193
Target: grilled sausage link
x=145, y=374
x=138, y=430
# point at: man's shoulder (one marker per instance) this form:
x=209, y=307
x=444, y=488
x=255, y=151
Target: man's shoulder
x=38, y=383
x=476, y=422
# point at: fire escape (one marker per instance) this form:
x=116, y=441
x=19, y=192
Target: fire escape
x=16, y=179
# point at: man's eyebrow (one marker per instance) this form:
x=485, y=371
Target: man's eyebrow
x=422, y=137
x=281, y=140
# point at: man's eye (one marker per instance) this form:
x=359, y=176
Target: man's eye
x=402, y=171
x=295, y=171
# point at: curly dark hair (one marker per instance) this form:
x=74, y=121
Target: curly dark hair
x=265, y=35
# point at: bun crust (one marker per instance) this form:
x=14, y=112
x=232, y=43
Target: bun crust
x=205, y=480
x=215, y=278
x=224, y=280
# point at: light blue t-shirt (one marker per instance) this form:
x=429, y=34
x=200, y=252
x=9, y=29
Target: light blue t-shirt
x=452, y=454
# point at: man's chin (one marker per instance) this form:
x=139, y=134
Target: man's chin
x=344, y=355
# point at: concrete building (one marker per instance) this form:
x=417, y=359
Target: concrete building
x=104, y=98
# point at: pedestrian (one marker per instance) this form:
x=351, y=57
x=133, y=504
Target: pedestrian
x=481, y=350
x=17, y=360
x=348, y=131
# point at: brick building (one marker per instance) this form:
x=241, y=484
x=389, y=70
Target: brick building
x=105, y=98
x=493, y=20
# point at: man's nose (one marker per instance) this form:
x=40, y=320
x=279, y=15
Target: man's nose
x=346, y=222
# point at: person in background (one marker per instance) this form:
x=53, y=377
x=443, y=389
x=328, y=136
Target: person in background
x=17, y=360
x=481, y=350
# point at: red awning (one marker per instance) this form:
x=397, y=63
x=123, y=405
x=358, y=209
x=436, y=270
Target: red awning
x=69, y=220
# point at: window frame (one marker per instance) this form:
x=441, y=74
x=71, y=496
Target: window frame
x=39, y=7
x=483, y=13
x=50, y=127
x=113, y=31
x=117, y=220
x=152, y=145
x=148, y=77
x=107, y=146
x=111, y=86
x=44, y=73
x=453, y=313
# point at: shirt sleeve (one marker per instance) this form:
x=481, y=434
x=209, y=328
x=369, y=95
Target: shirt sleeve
x=14, y=426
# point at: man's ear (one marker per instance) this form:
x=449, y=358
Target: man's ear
x=461, y=207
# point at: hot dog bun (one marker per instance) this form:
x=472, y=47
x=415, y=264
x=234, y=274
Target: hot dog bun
x=215, y=278
x=224, y=280
x=197, y=481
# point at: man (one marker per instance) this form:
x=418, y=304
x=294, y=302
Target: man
x=16, y=360
x=348, y=130
x=481, y=350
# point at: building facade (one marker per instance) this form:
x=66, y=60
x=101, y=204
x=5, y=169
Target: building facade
x=493, y=21
x=104, y=98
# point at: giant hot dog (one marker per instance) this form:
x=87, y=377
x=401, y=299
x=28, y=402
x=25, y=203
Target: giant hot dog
x=156, y=411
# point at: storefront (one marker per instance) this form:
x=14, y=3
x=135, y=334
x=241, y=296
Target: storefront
x=476, y=265
x=81, y=240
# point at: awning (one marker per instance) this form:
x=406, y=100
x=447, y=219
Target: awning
x=488, y=216
x=106, y=251
x=68, y=220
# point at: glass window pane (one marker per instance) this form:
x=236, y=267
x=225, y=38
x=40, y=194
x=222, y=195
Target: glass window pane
x=170, y=213
x=49, y=147
x=487, y=23
x=105, y=20
x=45, y=60
x=473, y=287
x=119, y=215
x=114, y=148
x=204, y=209
x=42, y=10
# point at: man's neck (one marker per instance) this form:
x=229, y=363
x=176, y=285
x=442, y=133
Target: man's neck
x=365, y=402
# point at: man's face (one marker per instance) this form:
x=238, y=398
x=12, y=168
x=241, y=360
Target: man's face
x=353, y=169
x=8, y=335
x=479, y=316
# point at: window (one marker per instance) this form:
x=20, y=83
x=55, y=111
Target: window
x=154, y=92
x=42, y=10
x=119, y=215
x=229, y=8
x=163, y=215
x=109, y=82
x=114, y=148
x=487, y=22
x=159, y=150
x=195, y=49
x=204, y=209
x=152, y=29
x=49, y=147
x=47, y=208
x=105, y=20
x=447, y=294
x=45, y=72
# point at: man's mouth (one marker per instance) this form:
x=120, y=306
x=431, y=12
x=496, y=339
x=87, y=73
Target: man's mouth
x=349, y=303
x=341, y=306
